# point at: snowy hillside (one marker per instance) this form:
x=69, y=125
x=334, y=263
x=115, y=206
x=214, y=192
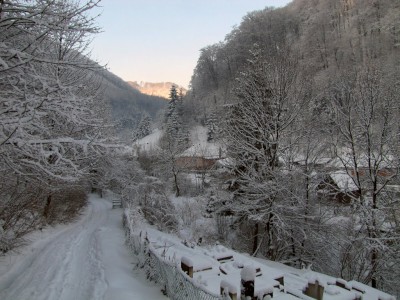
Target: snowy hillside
x=148, y=143
x=199, y=146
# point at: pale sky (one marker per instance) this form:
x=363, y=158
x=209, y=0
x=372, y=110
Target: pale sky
x=159, y=40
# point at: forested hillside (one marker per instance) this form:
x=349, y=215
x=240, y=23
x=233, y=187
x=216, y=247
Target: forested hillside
x=128, y=105
x=309, y=102
x=327, y=39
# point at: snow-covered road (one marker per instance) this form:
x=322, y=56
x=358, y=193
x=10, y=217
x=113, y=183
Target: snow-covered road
x=83, y=260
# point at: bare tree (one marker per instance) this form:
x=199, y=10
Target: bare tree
x=365, y=112
x=168, y=163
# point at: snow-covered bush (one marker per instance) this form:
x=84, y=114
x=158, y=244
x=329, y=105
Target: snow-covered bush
x=159, y=211
x=190, y=210
x=6, y=239
x=21, y=211
x=66, y=203
x=147, y=161
x=25, y=207
x=193, y=226
x=152, y=199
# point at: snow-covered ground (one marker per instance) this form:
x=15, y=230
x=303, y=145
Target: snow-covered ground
x=148, y=143
x=198, y=145
x=83, y=260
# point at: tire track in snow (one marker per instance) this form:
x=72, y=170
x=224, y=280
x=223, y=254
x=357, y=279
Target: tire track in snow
x=66, y=266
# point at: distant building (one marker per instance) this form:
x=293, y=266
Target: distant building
x=200, y=157
x=339, y=186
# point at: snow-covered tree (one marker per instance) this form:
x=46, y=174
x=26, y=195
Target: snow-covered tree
x=143, y=129
x=168, y=164
x=365, y=112
x=171, y=117
x=47, y=87
x=257, y=130
x=50, y=103
x=212, y=127
x=176, y=129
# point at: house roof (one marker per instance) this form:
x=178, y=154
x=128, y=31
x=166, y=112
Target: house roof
x=343, y=181
x=301, y=160
x=346, y=160
x=205, y=150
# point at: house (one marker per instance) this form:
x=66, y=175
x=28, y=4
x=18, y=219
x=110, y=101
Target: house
x=200, y=157
x=340, y=182
x=384, y=167
x=316, y=163
x=340, y=186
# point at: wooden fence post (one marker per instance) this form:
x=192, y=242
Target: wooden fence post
x=187, y=266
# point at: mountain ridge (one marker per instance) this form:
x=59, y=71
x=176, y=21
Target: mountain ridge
x=159, y=89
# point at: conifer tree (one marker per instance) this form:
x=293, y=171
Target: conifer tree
x=212, y=127
x=176, y=130
x=255, y=131
x=143, y=129
x=172, y=120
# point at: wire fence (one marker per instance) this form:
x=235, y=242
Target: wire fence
x=167, y=273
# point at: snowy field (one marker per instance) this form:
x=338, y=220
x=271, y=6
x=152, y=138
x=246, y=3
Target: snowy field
x=83, y=260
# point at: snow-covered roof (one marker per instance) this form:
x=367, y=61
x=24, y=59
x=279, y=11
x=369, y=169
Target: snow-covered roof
x=346, y=160
x=207, y=150
x=343, y=181
x=301, y=160
x=225, y=162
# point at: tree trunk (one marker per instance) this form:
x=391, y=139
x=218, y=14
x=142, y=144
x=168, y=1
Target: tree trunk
x=255, y=238
x=46, y=210
x=1, y=7
x=293, y=244
x=374, y=254
x=271, y=249
x=374, y=260
x=178, y=192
